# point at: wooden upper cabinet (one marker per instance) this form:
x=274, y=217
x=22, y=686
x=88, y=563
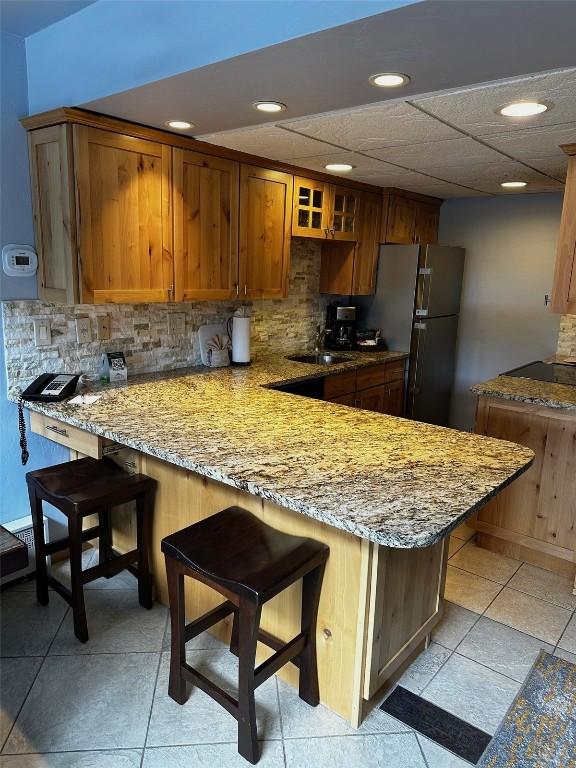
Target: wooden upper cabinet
x=411, y=221
x=124, y=217
x=265, y=227
x=366, y=253
x=426, y=223
x=311, y=208
x=344, y=214
x=54, y=217
x=205, y=226
x=564, y=289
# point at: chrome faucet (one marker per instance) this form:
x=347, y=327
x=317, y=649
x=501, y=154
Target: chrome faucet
x=319, y=339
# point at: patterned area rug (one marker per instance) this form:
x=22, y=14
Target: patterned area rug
x=539, y=730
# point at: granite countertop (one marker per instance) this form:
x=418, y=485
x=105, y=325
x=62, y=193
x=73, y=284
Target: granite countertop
x=545, y=393
x=396, y=482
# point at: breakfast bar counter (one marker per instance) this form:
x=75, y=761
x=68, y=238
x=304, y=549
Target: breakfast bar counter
x=382, y=492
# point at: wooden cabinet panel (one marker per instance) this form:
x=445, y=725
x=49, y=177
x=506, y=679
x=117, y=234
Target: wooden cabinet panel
x=344, y=399
x=426, y=223
x=124, y=217
x=54, y=214
x=401, y=220
x=205, y=226
x=344, y=213
x=311, y=207
x=339, y=384
x=393, y=403
x=371, y=399
x=337, y=267
x=538, y=510
x=564, y=288
x=395, y=370
x=366, y=253
x=265, y=226
x=372, y=376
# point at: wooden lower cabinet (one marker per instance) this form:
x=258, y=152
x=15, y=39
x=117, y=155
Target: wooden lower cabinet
x=344, y=399
x=394, y=398
x=378, y=388
x=534, y=518
x=371, y=399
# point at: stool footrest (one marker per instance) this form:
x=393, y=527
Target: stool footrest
x=224, y=699
x=285, y=654
x=110, y=567
x=62, y=590
x=207, y=620
x=64, y=543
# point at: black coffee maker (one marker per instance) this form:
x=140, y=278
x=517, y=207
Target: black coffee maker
x=340, y=327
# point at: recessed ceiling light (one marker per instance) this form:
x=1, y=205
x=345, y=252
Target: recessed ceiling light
x=389, y=79
x=339, y=167
x=179, y=125
x=269, y=106
x=523, y=108
x=513, y=184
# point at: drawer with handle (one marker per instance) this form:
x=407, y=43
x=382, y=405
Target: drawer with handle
x=72, y=437
x=395, y=370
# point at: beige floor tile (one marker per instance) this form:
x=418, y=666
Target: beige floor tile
x=545, y=585
x=568, y=639
x=454, y=545
x=463, y=532
x=482, y=562
x=529, y=614
x=469, y=591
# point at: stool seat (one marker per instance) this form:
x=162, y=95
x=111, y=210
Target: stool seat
x=87, y=484
x=236, y=550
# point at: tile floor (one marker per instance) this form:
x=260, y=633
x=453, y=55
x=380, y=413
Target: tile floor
x=105, y=704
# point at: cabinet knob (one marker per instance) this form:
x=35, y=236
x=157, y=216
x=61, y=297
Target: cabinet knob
x=245, y=290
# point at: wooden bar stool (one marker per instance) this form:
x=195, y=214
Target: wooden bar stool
x=249, y=563
x=81, y=488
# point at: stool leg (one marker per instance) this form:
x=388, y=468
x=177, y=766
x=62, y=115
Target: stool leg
x=178, y=688
x=234, y=636
x=104, y=536
x=78, y=607
x=144, y=507
x=39, y=543
x=311, y=586
x=248, y=625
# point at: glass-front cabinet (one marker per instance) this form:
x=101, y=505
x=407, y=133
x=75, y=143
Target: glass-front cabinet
x=344, y=214
x=311, y=208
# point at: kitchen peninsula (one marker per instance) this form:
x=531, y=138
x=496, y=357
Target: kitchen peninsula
x=381, y=491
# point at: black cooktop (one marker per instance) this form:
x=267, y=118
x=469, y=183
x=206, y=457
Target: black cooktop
x=538, y=371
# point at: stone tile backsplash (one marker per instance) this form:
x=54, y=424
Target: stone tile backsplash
x=567, y=336
x=141, y=330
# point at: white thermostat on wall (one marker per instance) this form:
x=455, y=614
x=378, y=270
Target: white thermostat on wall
x=19, y=260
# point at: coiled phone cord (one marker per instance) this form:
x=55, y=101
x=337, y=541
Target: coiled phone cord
x=22, y=427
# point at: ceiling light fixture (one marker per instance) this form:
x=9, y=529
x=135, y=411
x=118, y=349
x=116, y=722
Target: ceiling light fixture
x=389, y=79
x=523, y=109
x=513, y=184
x=269, y=106
x=179, y=125
x=339, y=167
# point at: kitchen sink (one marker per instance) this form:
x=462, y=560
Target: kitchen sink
x=319, y=358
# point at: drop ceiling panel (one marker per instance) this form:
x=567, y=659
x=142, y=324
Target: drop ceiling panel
x=538, y=146
x=267, y=141
x=436, y=157
x=487, y=178
x=385, y=124
x=474, y=109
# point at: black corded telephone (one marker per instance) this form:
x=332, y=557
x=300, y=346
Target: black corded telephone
x=47, y=388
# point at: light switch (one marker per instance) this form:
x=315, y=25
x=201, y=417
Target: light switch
x=83, y=330
x=42, y=332
x=176, y=323
x=103, y=327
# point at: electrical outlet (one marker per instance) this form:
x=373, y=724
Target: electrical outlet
x=83, y=330
x=42, y=332
x=176, y=323
x=103, y=327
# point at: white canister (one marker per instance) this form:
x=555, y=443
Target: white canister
x=241, y=340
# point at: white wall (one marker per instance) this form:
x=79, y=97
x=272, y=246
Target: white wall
x=510, y=251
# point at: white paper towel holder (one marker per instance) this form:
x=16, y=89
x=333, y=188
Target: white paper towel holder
x=239, y=334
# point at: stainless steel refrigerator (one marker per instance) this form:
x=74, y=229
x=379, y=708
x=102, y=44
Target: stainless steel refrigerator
x=416, y=306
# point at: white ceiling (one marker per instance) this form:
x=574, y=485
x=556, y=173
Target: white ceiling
x=450, y=144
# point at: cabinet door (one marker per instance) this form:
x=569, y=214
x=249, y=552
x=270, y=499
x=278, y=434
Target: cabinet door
x=54, y=213
x=205, y=226
x=345, y=213
x=265, y=225
x=310, y=208
x=401, y=220
x=426, y=226
x=371, y=399
x=366, y=254
x=394, y=398
x=344, y=400
x=564, y=289
x=124, y=217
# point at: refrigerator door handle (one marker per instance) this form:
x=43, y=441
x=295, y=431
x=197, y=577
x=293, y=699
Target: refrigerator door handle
x=414, y=386
x=423, y=291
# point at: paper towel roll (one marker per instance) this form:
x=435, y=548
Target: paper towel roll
x=241, y=340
